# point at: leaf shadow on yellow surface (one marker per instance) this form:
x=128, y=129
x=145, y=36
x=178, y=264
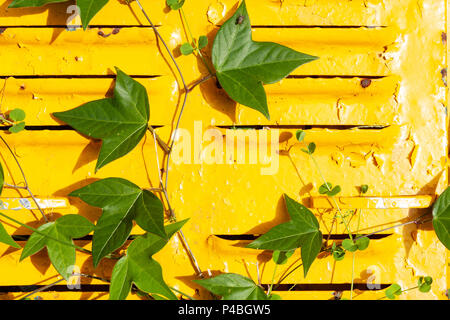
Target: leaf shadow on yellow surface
x=368, y=277
x=409, y=232
x=88, y=154
x=57, y=15
x=211, y=91
x=87, y=211
x=103, y=270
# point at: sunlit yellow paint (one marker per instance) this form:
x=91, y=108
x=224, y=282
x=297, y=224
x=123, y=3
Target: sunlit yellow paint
x=401, y=156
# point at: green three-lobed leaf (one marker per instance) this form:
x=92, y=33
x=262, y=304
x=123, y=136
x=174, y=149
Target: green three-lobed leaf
x=139, y=268
x=122, y=202
x=88, y=8
x=57, y=237
x=243, y=65
x=120, y=121
x=231, y=286
x=302, y=231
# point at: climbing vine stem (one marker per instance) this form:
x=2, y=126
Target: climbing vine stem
x=168, y=148
x=26, y=187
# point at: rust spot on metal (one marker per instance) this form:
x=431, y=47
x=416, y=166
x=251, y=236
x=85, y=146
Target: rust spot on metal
x=2, y=30
x=444, y=76
x=365, y=83
x=113, y=32
x=444, y=37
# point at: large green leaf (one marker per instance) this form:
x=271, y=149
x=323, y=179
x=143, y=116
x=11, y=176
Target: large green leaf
x=243, y=65
x=139, y=268
x=301, y=231
x=57, y=237
x=231, y=286
x=120, y=121
x=122, y=202
x=441, y=218
x=88, y=8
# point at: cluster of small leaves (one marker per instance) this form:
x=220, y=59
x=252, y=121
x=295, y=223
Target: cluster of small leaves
x=188, y=48
x=338, y=251
x=329, y=190
x=424, y=284
x=88, y=8
x=395, y=290
x=15, y=119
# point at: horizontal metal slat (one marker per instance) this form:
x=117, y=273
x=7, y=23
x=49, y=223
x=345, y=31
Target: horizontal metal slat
x=307, y=101
x=289, y=12
x=44, y=51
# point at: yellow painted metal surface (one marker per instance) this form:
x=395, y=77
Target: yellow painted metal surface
x=391, y=134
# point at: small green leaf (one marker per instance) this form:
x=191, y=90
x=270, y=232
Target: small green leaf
x=334, y=191
x=57, y=237
x=311, y=148
x=425, y=288
x=362, y=243
x=17, y=127
x=231, y=286
x=325, y=188
x=338, y=253
x=202, y=42
x=300, y=135
x=7, y=239
x=186, y=49
x=428, y=280
x=281, y=257
x=274, y=297
x=349, y=245
x=393, y=291
x=243, y=66
x=441, y=217
x=364, y=188
x=17, y=115
x=122, y=202
x=121, y=121
x=301, y=231
x=175, y=4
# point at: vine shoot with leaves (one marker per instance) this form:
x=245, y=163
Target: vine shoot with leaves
x=241, y=67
